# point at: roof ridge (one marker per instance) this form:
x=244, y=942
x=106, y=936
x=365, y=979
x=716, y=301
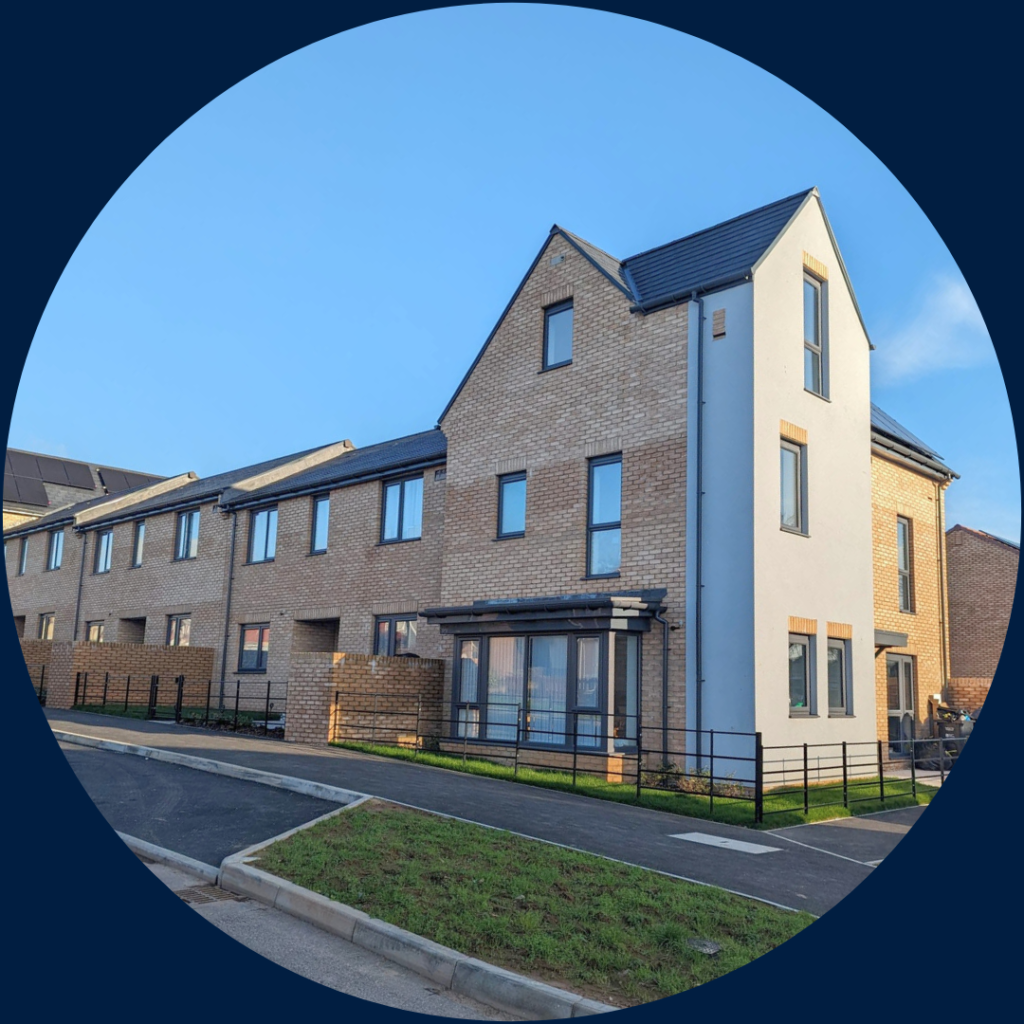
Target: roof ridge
x=584, y=241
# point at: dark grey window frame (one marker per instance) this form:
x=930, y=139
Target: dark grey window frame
x=592, y=528
x=810, y=711
x=509, y=478
x=846, y=711
x=181, y=534
x=800, y=450
x=318, y=499
x=821, y=349
x=908, y=573
x=172, y=620
x=54, y=534
x=263, y=627
x=253, y=514
x=385, y=484
x=23, y=556
x=46, y=618
x=97, y=557
x=98, y=624
x=549, y=312
x=138, y=543
x=392, y=619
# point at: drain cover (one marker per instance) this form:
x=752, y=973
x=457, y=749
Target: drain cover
x=704, y=946
x=208, y=894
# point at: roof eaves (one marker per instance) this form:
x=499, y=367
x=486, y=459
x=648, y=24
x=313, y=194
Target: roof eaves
x=890, y=446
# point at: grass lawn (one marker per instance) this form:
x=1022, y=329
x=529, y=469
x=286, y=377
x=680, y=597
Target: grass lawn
x=189, y=716
x=783, y=806
x=611, y=932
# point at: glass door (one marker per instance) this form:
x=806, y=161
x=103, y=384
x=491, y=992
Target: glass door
x=900, y=688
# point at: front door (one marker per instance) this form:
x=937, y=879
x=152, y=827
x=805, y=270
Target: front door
x=900, y=686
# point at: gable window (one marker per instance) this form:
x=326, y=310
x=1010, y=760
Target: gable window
x=394, y=635
x=138, y=540
x=46, y=622
x=799, y=674
x=904, y=563
x=792, y=473
x=254, y=648
x=815, y=361
x=186, y=543
x=604, y=516
x=55, y=555
x=512, y=505
x=263, y=535
x=104, y=548
x=179, y=628
x=402, y=516
x=23, y=556
x=558, y=335
x=838, y=661
x=94, y=632
x=321, y=517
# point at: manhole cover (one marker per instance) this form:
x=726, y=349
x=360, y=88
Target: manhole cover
x=208, y=894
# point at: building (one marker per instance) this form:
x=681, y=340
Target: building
x=35, y=485
x=982, y=581
x=649, y=506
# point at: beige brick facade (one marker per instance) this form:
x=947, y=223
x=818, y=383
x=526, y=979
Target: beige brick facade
x=901, y=490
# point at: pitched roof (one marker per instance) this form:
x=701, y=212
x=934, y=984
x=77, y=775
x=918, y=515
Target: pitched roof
x=889, y=433
x=58, y=517
x=722, y=253
x=986, y=535
x=429, y=446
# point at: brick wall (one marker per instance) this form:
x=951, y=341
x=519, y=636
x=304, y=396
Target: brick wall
x=12, y=519
x=898, y=490
x=625, y=391
x=398, y=683
x=42, y=591
x=982, y=583
x=967, y=692
x=37, y=655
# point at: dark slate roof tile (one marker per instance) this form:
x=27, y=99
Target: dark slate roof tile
x=885, y=424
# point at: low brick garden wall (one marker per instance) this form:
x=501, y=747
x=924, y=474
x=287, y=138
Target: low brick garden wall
x=968, y=692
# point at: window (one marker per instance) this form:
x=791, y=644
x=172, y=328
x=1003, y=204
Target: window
x=838, y=661
x=94, y=632
x=512, y=505
x=468, y=717
x=23, y=556
x=394, y=635
x=402, y=517
x=815, y=353
x=46, y=626
x=799, y=674
x=626, y=666
x=179, y=627
x=104, y=547
x=254, y=648
x=263, y=535
x=904, y=563
x=56, y=552
x=321, y=516
x=792, y=475
x=138, y=540
x=604, y=518
x=186, y=544
x=558, y=335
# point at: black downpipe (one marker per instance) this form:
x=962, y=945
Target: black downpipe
x=698, y=642
x=227, y=609
x=81, y=580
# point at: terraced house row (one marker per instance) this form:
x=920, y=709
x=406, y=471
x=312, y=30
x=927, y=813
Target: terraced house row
x=660, y=498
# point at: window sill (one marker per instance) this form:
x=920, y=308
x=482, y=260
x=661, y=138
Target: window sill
x=402, y=540
x=602, y=576
x=511, y=536
x=52, y=568
x=824, y=398
x=554, y=366
x=246, y=671
x=321, y=551
x=262, y=561
x=802, y=714
x=840, y=714
x=795, y=533
x=904, y=612
x=187, y=558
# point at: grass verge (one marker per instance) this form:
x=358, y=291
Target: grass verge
x=783, y=806
x=612, y=932
x=189, y=716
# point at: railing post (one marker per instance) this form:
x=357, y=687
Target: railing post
x=806, y=794
x=178, y=697
x=639, y=755
x=881, y=776
x=85, y=688
x=206, y=717
x=758, y=779
x=127, y=690
x=913, y=760
x=575, y=742
x=266, y=713
x=373, y=730
x=106, y=683
x=78, y=679
x=519, y=715
x=846, y=790
x=154, y=692
x=416, y=741
x=711, y=775
x=42, y=680
x=238, y=690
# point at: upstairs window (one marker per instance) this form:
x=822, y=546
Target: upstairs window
x=94, y=632
x=104, y=549
x=558, y=335
x=23, y=556
x=904, y=563
x=604, y=516
x=55, y=555
x=395, y=635
x=793, y=512
x=402, y=517
x=186, y=543
x=138, y=540
x=815, y=362
x=263, y=535
x=512, y=505
x=321, y=517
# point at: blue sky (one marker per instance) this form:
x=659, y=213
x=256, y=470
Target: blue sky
x=320, y=252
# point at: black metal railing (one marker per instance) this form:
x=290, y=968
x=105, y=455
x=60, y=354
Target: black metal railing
x=37, y=673
x=252, y=706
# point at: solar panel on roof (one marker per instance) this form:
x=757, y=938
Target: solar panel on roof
x=113, y=479
x=10, y=488
x=52, y=471
x=79, y=475
x=30, y=492
x=24, y=465
x=139, y=480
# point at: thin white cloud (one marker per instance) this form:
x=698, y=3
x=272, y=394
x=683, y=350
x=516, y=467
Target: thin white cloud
x=947, y=333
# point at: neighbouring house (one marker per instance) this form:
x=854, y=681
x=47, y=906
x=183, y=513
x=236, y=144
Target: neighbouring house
x=659, y=503
x=36, y=485
x=982, y=582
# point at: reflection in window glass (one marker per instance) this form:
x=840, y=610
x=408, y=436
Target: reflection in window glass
x=512, y=503
x=558, y=335
x=506, y=664
x=546, y=689
x=798, y=679
x=627, y=667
